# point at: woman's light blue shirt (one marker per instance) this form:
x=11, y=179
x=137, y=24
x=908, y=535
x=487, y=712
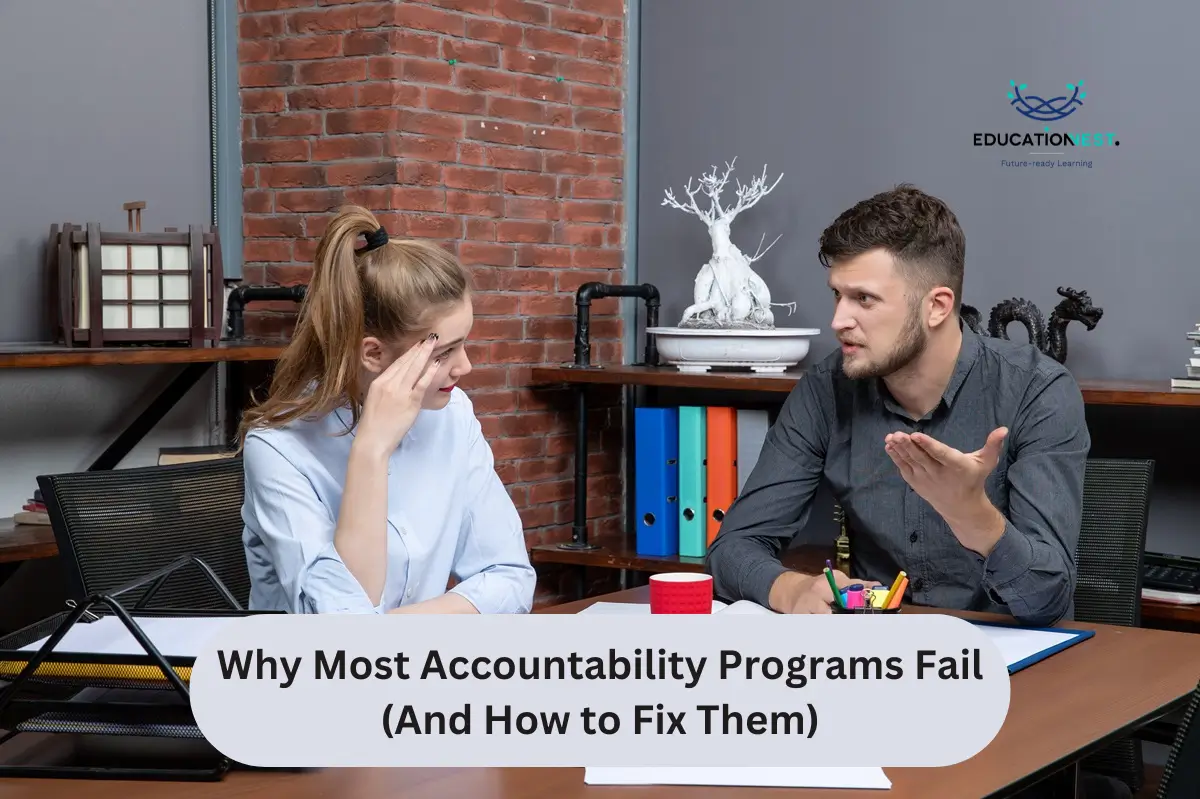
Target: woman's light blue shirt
x=449, y=515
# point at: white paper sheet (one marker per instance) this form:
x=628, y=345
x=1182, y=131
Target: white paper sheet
x=633, y=608
x=739, y=608
x=769, y=777
x=744, y=607
x=1016, y=644
x=174, y=637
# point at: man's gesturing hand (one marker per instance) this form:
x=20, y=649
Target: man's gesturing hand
x=952, y=482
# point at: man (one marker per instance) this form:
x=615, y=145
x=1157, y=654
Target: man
x=957, y=458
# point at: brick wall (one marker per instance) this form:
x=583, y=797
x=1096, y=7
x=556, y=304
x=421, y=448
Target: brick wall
x=491, y=126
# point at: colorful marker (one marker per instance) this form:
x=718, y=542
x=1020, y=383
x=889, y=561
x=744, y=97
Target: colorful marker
x=897, y=595
x=837, y=597
x=887, y=603
x=854, y=596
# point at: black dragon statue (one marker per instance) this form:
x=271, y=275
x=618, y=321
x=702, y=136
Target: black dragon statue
x=1076, y=306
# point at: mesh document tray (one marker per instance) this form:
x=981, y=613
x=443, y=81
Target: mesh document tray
x=82, y=699
x=80, y=670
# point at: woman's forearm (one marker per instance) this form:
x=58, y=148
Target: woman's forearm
x=448, y=602
x=361, y=535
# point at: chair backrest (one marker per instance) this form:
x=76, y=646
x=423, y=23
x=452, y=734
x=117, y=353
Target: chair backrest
x=1181, y=775
x=116, y=526
x=1112, y=541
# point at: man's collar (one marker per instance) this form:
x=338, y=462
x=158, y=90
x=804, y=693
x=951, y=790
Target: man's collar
x=968, y=352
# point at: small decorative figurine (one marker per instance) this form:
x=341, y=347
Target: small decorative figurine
x=730, y=323
x=1076, y=306
x=728, y=292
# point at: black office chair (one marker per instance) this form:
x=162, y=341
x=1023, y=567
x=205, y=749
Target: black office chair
x=1181, y=776
x=116, y=526
x=1112, y=540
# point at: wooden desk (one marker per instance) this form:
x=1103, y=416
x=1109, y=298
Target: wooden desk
x=1054, y=719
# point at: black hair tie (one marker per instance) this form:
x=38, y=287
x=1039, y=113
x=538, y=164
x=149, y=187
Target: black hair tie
x=375, y=240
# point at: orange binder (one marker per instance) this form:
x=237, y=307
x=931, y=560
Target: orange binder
x=721, y=441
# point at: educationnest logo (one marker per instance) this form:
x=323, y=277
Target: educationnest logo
x=1051, y=110
x=1055, y=144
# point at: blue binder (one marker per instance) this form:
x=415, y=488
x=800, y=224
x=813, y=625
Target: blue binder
x=656, y=485
x=1060, y=639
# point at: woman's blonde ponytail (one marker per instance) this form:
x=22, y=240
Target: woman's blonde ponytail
x=384, y=289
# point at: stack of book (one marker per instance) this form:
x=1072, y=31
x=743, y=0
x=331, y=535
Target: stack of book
x=1193, y=365
x=33, y=511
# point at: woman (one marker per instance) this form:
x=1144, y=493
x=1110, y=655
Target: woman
x=369, y=484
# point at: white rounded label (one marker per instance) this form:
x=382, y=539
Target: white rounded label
x=923, y=690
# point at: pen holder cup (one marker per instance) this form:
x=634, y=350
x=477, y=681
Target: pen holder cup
x=864, y=611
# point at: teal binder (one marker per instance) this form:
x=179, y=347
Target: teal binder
x=692, y=482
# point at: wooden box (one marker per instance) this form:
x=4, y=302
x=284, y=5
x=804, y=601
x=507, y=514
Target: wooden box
x=113, y=288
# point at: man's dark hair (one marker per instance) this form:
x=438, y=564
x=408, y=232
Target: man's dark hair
x=918, y=230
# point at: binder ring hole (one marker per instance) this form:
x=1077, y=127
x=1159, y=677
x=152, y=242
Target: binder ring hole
x=648, y=519
x=689, y=514
x=719, y=514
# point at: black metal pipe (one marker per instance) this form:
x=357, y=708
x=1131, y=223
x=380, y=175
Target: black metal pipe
x=583, y=349
x=598, y=291
x=243, y=295
x=579, y=534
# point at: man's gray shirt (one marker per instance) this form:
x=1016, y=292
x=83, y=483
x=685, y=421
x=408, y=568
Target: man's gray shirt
x=832, y=427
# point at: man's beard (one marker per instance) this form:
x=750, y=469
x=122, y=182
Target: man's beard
x=908, y=347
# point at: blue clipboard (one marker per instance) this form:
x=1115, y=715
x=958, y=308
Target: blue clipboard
x=1075, y=637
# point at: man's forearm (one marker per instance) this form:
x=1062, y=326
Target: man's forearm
x=744, y=567
x=978, y=524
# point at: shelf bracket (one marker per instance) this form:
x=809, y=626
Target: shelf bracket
x=148, y=418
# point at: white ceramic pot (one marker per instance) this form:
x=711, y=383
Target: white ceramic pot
x=699, y=350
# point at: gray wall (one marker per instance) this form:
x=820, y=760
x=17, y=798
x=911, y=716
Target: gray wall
x=102, y=103
x=850, y=98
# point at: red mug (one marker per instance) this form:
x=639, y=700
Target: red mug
x=681, y=592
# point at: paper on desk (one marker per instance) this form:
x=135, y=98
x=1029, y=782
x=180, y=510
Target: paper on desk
x=769, y=777
x=1017, y=643
x=174, y=637
x=632, y=608
x=744, y=607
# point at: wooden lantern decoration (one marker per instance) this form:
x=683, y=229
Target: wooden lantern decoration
x=135, y=287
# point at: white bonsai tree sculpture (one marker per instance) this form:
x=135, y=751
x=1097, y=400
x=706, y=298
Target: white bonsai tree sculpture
x=728, y=292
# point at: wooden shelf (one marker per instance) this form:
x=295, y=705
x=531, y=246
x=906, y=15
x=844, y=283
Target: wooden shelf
x=26, y=541
x=807, y=559
x=41, y=356
x=1095, y=392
